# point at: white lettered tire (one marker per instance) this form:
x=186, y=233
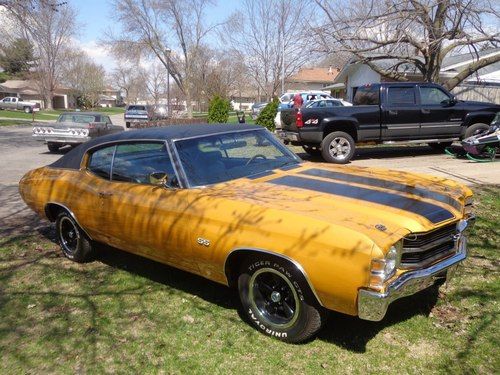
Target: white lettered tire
x=277, y=300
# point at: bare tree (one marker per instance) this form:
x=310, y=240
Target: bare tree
x=417, y=32
x=266, y=31
x=128, y=79
x=85, y=78
x=173, y=31
x=50, y=33
x=155, y=81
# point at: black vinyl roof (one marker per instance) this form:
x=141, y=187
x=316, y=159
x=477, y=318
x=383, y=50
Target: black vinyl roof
x=73, y=158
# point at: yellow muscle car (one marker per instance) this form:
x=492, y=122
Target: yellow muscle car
x=232, y=204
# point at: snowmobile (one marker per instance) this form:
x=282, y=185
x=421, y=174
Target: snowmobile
x=480, y=147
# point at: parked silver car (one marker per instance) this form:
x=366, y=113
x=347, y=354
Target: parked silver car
x=73, y=128
x=14, y=103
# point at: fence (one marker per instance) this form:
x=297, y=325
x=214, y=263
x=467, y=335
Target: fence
x=478, y=93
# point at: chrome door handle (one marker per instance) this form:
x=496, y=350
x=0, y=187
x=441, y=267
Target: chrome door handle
x=426, y=111
x=105, y=194
x=392, y=112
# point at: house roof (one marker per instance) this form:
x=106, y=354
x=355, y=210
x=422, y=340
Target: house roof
x=451, y=64
x=25, y=87
x=323, y=75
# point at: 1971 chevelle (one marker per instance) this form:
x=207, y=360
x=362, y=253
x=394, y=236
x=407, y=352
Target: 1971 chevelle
x=232, y=204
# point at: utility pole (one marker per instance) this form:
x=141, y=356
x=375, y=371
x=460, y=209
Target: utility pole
x=282, y=47
x=168, y=50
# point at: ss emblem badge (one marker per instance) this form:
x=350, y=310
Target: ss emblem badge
x=203, y=241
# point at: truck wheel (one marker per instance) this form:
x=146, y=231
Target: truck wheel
x=338, y=147
x=276, y=299
x=475, y=129
x=74, y=242
x=127, y=125
x=440, y=146
x=53, y=147
x=311, y=150
x=27, y=110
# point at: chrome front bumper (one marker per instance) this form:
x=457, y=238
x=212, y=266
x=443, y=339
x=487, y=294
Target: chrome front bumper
x=373, y=305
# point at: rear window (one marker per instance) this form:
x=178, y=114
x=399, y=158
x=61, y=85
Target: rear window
x=100, y=162
x=401, y=95
x=367, y=95
x=136, y=108
x=81, y=119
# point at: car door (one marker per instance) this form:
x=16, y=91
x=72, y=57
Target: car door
x=13, y=103
x=439, y=117
x=6, y=103
x=400, y=113
x=110, y=128
x=142, y=217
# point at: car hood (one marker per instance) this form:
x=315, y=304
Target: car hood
x=382, y=204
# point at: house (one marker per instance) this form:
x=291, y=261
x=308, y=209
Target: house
x=484, y=85
x=110, y=97
x=311, y=79
x=28, y=90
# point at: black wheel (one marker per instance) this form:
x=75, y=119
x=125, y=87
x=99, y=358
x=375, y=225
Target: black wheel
x=440, y=146
x=312, y=150
x=476, y=129
x=278, y=301
x=74, y=242
x=27, y=109
x=127, y=125
x=338, y=147
x=53, y=147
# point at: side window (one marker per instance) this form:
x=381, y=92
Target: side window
x=100, y=162
x=14, y=100
x=432, y=95
x=106, y=119
x=367, y=95
x=6, y=100
x=134, y=162
x=401, y=95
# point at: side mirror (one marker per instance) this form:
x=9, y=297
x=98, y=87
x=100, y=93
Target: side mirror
x=449, y=102
x=158, y=178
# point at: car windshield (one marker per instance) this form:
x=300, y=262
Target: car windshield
x=222, y=157
x=77, y=118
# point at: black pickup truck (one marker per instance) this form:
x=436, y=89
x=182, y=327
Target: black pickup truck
x=385, y=113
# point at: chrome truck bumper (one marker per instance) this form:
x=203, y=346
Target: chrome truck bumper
x=373, y=305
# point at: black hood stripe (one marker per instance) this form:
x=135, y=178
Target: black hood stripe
x=431, y=212
x=391, y=185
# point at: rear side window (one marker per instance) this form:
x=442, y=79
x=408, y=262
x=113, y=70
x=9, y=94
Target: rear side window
x=100, y=162
x=136, y=108
x=135, y=162
x=367, y=95
x=401, y=95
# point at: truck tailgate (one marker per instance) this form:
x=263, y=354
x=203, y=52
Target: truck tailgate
x=288, y=116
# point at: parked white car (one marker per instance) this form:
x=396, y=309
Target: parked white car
x=322, y=103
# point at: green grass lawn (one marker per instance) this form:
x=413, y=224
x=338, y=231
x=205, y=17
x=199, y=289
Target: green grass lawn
x=124, y=314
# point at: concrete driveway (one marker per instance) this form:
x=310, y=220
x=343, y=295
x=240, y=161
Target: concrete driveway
x=20, y=153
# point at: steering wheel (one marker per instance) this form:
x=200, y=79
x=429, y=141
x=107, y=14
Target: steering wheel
x=255, y=157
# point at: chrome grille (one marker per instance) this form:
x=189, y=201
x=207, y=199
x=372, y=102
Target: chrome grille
x=421, y=249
